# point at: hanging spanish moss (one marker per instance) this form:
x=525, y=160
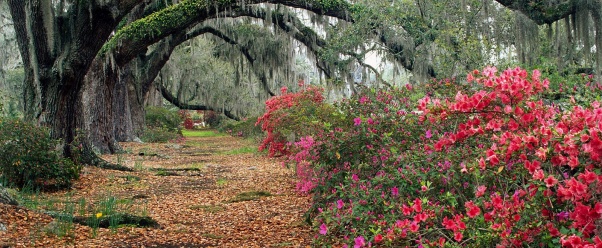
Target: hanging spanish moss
x=527, y=33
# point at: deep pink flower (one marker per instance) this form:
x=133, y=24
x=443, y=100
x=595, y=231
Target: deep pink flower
x=394, y=191
x=481, y=190
x=323, y=229
x=340, y=204
x=359, y=242
x=414, y=226
x=428, y=134
x=363, y=100
x=357, y=121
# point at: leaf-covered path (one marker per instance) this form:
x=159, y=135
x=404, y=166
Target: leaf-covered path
x=206, y=192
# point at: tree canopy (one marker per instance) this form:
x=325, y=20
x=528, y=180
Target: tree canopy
x=81, y=59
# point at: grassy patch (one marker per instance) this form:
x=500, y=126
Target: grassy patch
x=221, y=182
x=208, y=208
x=202, y=133
x=103, y=212
x=196, y=166
x=285, y=244
x=242, y=150
x=164, y=173
x=131, y=178
x=212, y=236
x=249, y=196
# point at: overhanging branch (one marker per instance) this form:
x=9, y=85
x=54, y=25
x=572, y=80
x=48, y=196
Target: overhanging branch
x=175, y=101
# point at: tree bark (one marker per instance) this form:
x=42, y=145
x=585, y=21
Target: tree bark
x=58, y=44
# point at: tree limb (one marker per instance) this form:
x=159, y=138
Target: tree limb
x=175, y=101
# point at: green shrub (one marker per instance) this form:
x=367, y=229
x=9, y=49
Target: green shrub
x=159, y=134
x=28, y=157
x=158, y=117
x=244, y=128
x=213, y=118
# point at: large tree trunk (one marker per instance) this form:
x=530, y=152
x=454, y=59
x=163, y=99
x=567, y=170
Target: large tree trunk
x=98, y=99
x=58, y=43
x=123, y=125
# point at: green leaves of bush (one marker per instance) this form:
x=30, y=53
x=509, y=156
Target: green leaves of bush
x=158, y=117
x=28, y=157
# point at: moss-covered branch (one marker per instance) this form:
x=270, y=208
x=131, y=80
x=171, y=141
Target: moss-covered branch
x=133, y=39
x=542, y=11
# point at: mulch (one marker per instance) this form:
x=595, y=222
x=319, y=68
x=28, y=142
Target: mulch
x=192, y=204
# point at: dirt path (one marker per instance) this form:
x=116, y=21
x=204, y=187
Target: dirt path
x=205, y=192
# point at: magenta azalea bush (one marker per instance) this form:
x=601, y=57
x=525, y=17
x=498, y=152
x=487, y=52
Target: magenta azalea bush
x=486, y=163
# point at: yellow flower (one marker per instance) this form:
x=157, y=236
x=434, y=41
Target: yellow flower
x=98, y=215
x=338, y=155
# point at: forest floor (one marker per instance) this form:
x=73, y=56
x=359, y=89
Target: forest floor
x=207, y=191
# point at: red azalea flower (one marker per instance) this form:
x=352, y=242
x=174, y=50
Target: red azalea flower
x=417, y=205
x=378, y=238
x=550, y=181
x=472, y=210
x=458, y=236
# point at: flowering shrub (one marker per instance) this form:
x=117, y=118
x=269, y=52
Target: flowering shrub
x=486, y=163
x=186, y=116
x=292, y=115
x=546, y=161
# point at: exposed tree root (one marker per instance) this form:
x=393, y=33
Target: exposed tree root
x=90, y=158
x=105, y=221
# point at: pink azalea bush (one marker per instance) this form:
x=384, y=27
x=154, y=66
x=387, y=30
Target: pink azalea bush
x=487, y=163
x=291, y=114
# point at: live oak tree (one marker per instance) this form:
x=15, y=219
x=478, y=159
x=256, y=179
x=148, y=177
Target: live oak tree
x=85, y=64
x=58, y=41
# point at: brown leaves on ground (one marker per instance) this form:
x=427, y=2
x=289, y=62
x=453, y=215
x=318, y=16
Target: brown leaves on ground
x=203, y=193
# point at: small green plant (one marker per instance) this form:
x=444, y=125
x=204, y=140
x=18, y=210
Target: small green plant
x=81, y=206
x=120, y=159
x=221, y=182
x=139, y=165
x=63, y=224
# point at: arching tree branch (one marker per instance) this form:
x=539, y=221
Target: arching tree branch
x=175, y=101
x=542, y=11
